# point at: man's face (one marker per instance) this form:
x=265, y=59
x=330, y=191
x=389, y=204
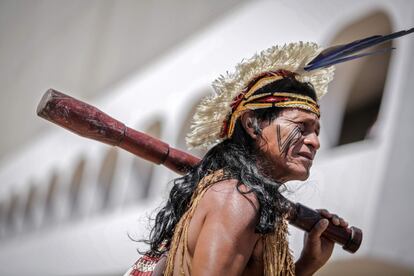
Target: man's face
x=289, y=144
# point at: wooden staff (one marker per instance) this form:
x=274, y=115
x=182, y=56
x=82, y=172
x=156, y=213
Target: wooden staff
x=88, y=121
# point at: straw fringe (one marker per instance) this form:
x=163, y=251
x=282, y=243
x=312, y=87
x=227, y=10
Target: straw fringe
x=277, y=257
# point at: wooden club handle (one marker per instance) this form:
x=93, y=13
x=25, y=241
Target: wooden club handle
x=88, y=121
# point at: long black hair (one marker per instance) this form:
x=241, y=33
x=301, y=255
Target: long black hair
x=238, y=157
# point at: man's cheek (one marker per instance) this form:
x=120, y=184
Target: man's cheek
x=287, y=141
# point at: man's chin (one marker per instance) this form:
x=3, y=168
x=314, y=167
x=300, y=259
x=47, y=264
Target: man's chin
x=298, y=176
x=301, y=169
x=294, y=171
x=302, y=175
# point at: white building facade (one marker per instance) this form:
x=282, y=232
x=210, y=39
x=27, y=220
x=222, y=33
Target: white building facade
x=70, y=206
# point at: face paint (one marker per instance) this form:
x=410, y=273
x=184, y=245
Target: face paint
x=293, y=136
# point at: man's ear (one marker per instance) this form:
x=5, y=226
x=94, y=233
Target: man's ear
x=249, y=123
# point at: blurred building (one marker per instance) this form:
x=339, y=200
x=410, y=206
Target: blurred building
x=71, y=206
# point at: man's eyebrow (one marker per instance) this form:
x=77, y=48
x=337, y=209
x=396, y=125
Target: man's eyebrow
x=302, y=120
x=305, y=120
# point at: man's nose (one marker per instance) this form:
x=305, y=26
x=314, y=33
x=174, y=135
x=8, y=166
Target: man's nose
x=313, y=140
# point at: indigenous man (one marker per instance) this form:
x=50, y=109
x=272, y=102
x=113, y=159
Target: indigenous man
x=227, y=216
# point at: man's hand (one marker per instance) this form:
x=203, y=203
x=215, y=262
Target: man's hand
x=317, y=250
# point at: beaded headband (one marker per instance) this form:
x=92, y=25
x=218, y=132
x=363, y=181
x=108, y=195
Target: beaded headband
x=248, y=101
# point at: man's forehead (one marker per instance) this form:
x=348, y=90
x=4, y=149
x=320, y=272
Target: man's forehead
x=293, y=114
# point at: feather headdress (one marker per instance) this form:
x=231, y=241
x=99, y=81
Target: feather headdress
x=306, y=60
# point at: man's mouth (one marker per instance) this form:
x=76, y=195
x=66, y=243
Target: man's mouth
x=306, y=155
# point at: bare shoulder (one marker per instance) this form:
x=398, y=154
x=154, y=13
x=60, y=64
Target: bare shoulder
x=222, y=233
x=233, y=200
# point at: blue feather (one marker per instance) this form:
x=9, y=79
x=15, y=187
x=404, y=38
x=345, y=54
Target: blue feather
x=338, y=49
x=327, y=63
x=340, y=53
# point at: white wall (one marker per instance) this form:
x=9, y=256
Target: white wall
x=85, y=47
x=393, y=222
